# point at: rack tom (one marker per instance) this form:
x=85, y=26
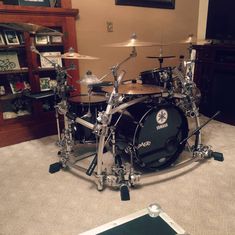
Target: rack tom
x=160, y=77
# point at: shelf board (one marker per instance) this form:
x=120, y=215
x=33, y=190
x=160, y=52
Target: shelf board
x=11, y=47
x=50, y=45
x=24, y=70
x=35, y=11
x=40, y=69
x=10, y=96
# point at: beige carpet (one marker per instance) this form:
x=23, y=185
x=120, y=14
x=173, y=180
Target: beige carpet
x=200, y=198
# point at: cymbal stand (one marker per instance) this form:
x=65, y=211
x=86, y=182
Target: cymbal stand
x=62, y=89
x=88, y=114
x=160, y=59
x=105, y=118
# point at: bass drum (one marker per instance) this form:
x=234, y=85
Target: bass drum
x=155, y=133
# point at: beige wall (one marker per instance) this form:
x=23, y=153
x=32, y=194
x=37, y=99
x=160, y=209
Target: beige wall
x=150, y=24
x=202, y=18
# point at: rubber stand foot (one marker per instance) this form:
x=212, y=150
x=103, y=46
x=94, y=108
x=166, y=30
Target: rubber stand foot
x=218, y=156
x=124, y=190
x=55, y=167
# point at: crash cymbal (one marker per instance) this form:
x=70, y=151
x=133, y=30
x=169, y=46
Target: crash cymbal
x=72, y=55
x=134, y=42
x=191, y=39
x=31, y=28
x=77, y=56
x=135, y=89
x=161, y=57
x=89, y=81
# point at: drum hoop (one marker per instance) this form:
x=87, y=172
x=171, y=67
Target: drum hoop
x=139, y=125
x=128, y=104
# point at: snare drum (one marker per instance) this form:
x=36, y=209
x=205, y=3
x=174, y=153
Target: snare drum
x=159, y=77
x=80, y=105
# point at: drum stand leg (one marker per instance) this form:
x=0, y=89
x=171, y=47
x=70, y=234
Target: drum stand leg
x=58, y=126
x=66, y=142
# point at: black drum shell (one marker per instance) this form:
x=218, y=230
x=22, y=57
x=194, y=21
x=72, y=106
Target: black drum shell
x=138, y=127
x=157, y=76
x=79, y=105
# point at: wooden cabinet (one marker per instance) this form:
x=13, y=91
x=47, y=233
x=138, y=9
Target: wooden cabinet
x=215, y=76
x=23, y=118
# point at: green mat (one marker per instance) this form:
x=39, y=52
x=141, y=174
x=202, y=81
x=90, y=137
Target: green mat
x=144, y=225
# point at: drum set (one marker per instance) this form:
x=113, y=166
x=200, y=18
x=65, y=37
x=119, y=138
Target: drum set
x=141, y=125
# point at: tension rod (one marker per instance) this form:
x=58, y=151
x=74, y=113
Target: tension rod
x=200, y=127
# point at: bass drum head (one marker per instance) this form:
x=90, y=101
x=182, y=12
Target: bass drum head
x=158, y=135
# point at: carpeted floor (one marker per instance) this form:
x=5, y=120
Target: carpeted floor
x=200, y=197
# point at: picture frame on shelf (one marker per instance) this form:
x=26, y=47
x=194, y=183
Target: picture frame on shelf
x=2, y=42
x=2, y=90
x=56, y=39
x=21, y=38
x=9, y=61
x=11, y=37
x=42, y=39
x=18, y=86
x=54, y=57
x=45, y=84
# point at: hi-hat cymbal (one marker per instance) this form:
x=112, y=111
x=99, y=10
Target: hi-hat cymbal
x=161, y=57
x=31, y=28
x=77, y=56
x=135, y=89
x=86, y=98
x=134, y=42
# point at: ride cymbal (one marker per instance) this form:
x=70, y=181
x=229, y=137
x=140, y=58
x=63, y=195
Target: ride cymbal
x=32, y=28
x=134, y=42
x=161, y=57
x=135, y=89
